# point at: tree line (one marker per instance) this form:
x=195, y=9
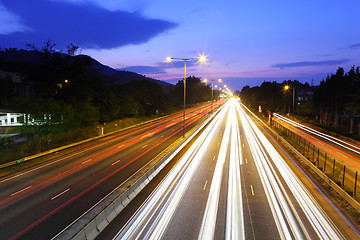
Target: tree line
x=65, y=84
x=335, y=103
x=78, y=97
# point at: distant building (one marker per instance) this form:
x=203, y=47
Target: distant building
x=21, y=88
x=304, y=96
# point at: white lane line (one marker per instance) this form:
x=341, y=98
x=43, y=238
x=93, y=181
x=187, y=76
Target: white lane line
x=20, y=191
x=243, y=145
x=115, y=162
x=144, y=146
x=205, y=185
x=214, y=158
x=60, y=194
x=121, y=146
x=246, y=160
x=252, y=190
x=162, y=136
x=86, y=161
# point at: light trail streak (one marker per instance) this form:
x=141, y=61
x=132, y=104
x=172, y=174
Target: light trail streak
x=234, y=216
x=275, y=197
x=92, y=186
x=332, y=139
x=321, y=223
x=151, y=220
x=207, y=229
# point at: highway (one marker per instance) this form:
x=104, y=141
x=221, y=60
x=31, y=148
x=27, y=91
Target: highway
x=347, y=152
x=234, y=182
x=40, y=201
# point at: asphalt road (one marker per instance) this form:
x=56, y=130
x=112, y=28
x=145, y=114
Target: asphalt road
x=234, y=182
x=38, y=202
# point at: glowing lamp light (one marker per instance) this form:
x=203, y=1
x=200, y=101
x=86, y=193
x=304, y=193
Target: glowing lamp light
x=202, y=58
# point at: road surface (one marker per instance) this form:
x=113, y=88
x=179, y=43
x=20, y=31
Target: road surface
x=233, y=183
x=40, y=201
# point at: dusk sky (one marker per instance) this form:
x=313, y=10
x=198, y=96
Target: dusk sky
x=246, y=42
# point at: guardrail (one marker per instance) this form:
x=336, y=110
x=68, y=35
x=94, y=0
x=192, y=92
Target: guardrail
x=89, y=225
x=321, y=174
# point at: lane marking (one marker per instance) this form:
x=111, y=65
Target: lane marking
x=243, y=145
x=115, y=162
x=246, y=160
x=144, y=146
x=162, y=136
x=214, y=158
x=205, y=185
x=148, y=135
x=86, y=161
x=20, y=191
x=121, y=146
x=252, y=190
x=60, y=194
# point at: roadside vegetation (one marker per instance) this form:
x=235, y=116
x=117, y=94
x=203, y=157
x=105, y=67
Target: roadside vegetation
x=72, y=98
x=333, y=105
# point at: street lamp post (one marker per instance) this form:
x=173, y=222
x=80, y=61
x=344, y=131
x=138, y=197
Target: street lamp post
x=200, y=59
x=287, y=87
x=212, y=91
x=293, y=102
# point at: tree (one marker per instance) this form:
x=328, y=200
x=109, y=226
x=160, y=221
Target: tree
x=196, y=90
x=6, y=91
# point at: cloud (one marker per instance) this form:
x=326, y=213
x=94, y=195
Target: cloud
x=82, y=23
x=159, y=68
x=177, y=64
x=353, y=46
x=144, y=69
x=310, y=64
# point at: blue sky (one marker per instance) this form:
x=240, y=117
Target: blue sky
x=246, y=42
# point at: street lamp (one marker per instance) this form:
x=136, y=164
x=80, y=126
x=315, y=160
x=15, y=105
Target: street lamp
x=200, y=59
x=287, y=87
x=212, y=91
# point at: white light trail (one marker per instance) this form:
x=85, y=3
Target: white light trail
x=320, y=134
x=321, y=223
x=152, y=218
x=207, y=229
x=234, y=216
x=272, y=191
